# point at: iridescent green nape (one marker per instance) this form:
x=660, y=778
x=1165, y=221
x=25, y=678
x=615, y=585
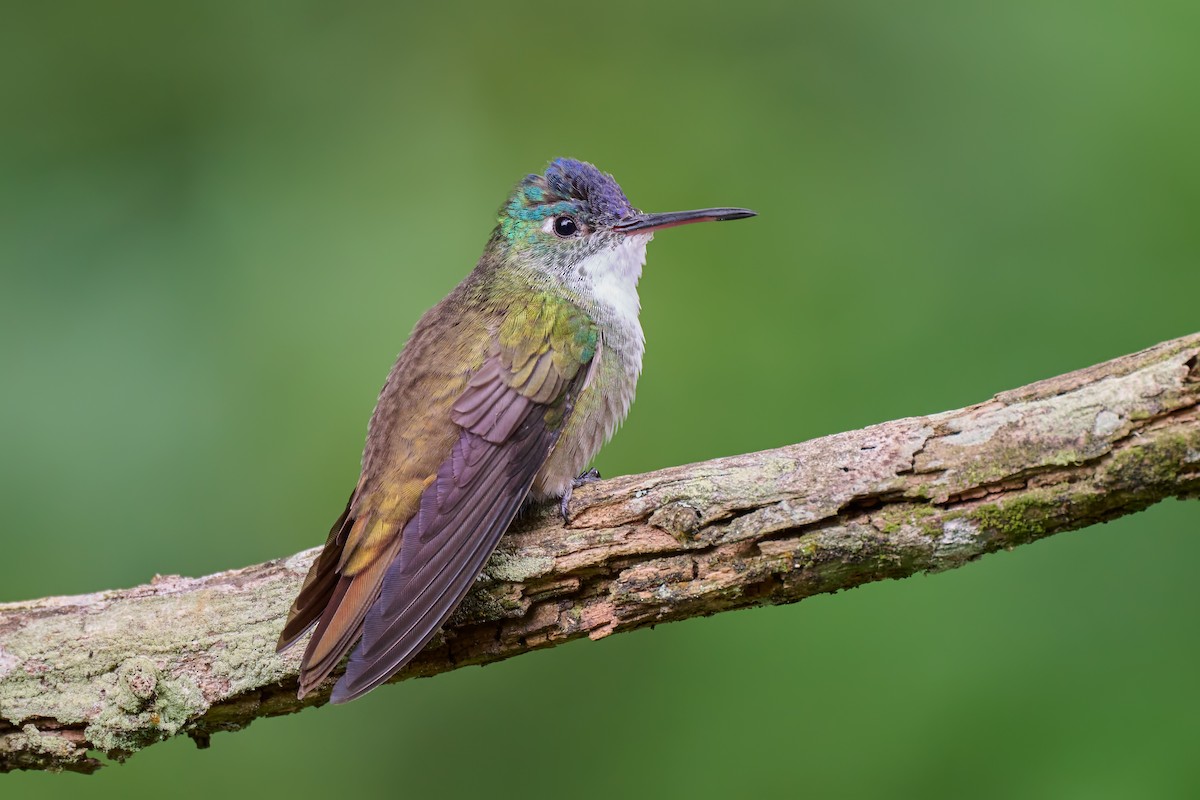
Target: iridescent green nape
x=522, y=216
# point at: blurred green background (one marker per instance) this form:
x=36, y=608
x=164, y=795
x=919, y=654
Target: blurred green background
x=219, y=221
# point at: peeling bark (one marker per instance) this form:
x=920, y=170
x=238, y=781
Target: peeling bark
x=116, y=671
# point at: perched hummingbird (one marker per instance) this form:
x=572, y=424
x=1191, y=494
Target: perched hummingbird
x=505, y=390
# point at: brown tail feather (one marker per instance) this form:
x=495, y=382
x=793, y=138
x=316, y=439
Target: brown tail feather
x=319, y=584
x=341, y=623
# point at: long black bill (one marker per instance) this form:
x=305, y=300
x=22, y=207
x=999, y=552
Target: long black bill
x=641, y=223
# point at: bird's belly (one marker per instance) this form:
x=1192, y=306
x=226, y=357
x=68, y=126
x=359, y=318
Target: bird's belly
x=599, y=410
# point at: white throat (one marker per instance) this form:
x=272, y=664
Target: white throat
x=610, y=278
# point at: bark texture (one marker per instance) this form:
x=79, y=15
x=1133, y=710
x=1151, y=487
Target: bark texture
x=116, y=671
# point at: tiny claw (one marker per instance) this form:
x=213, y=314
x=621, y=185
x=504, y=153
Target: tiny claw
x=582, y=479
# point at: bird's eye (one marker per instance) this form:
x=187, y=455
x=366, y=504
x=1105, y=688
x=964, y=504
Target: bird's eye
x=565, y=227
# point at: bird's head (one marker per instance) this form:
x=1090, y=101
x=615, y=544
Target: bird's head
x=575, y=218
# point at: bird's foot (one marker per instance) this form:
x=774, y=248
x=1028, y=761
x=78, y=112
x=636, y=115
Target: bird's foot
x=583, y=478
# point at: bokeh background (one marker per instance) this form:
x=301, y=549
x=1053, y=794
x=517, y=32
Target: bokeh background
x=219, y=221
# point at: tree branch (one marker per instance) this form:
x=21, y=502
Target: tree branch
x=116, y=671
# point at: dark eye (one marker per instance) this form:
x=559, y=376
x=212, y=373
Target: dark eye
x=565, y=227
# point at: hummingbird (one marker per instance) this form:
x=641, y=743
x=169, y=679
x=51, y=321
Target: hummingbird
x=504, y=392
